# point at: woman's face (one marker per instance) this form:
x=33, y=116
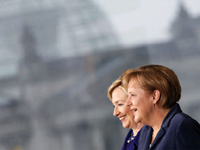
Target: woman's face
x=121, y=110
x=140, y=102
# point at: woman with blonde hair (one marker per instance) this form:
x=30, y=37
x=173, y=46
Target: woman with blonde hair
x=118, y=96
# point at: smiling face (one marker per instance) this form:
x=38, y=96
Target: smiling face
x=140, y=102
x=121, y=110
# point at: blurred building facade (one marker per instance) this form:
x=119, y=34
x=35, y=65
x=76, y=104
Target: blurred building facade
x=59, y=112
x=61, y=101
x=185, y=37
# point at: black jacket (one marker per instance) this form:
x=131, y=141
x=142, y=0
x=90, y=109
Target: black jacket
x=178, y=132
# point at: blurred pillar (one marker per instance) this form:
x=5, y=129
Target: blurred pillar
x=98, y=139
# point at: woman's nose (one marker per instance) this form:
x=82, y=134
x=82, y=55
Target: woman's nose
x=115, y=112
x=128, y=102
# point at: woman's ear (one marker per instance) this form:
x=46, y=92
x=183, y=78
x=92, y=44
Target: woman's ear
x=156, y=96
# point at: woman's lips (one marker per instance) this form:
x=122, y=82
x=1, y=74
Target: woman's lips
x=122, y=118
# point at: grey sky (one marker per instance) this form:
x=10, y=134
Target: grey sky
x=142, y=21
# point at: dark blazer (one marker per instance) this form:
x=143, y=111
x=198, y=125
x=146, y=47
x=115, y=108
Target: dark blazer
x=178, y=132
x=133, y=145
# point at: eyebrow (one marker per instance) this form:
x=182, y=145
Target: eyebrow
x=131, y=91
x=117, y=101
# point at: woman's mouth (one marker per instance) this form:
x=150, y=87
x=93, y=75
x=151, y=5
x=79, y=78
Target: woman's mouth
x=122, y=118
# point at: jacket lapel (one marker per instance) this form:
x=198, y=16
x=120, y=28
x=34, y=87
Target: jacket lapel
x=145, y=138
x=126, y=139
x=175, y=109
x=160, y=134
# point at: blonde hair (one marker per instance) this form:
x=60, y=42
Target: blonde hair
x=117, y=83
x=113, y=86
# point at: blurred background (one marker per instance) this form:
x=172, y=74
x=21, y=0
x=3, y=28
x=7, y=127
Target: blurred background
x=58, y=57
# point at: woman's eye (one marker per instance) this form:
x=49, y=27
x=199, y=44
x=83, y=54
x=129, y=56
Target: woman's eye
x=120, y=104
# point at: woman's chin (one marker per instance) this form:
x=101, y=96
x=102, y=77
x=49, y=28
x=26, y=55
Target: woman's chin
x=124, y=126
x=137, y=120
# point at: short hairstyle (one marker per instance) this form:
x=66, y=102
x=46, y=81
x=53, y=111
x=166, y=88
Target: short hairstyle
x=113, y=86
x=157, y=77
x=117, y=83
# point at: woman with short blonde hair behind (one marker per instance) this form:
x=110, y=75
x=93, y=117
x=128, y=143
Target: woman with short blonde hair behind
x=118, y=96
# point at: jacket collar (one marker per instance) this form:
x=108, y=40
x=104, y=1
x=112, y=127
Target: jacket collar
x=174, y=110
x=125, y=141
x=134, y=142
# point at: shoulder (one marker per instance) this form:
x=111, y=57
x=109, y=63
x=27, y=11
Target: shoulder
x=185, y=123
x=181, y=129
x=181, y=119
x=187, y=131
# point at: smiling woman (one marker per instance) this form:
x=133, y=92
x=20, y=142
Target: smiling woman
x=118, y=96
x=154, y=91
